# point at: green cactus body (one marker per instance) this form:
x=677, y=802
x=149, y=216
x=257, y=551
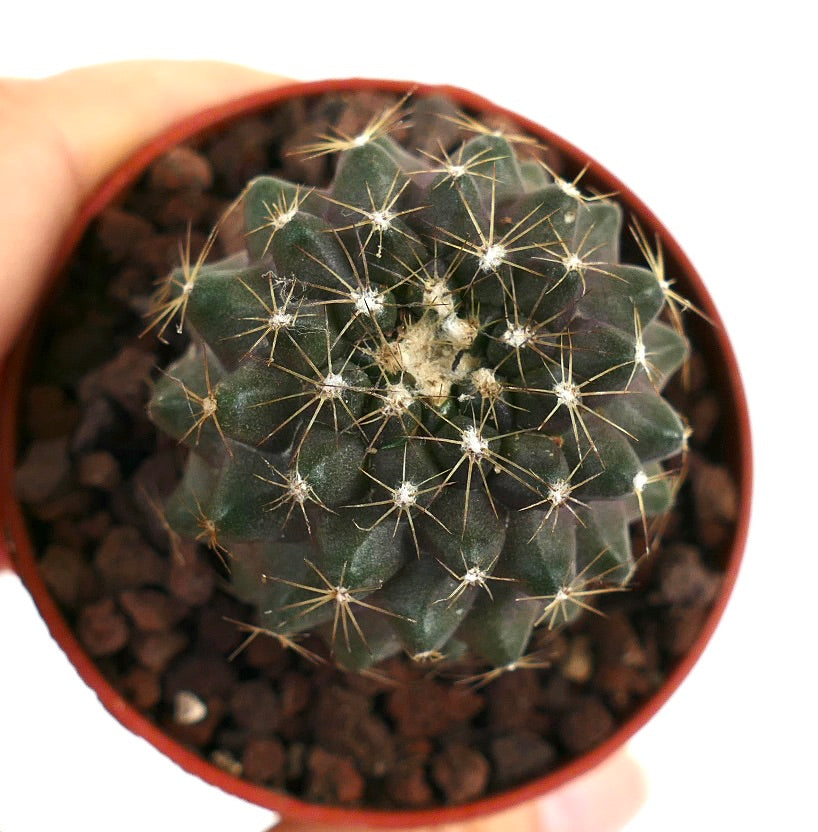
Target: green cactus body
x=424, y=406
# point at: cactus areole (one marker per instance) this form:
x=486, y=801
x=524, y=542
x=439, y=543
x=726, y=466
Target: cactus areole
x=422, y=408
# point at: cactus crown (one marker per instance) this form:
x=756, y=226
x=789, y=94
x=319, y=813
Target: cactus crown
x=423, y=406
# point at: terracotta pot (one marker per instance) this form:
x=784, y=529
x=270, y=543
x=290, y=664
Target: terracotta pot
x=712, y=340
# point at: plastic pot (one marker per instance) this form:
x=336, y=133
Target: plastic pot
x=711, y=340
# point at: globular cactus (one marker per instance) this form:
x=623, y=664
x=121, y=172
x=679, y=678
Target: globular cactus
x=423, y=407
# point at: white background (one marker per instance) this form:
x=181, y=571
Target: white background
x=704, y=110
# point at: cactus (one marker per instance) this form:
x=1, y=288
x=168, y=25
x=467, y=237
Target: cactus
x=424, y=406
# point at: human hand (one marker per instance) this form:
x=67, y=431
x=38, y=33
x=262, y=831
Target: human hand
x=59, y=138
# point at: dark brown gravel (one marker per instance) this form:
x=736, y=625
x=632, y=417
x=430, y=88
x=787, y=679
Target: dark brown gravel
x=520, y=755
x=67, y=574
x=142, y=687
x=460, y=772
x=426, y=707
x=191, y=580
x=49, y=413
x=97, y=419
x=254, y=707
x=407, y=785
x=44, y=469
x=585, y=724
x=181, y=169
x=124, y=379
x=154, y=612
x=98, y=469
x=123, y=560
x=151, y=610
x=264, y=761
x=102, y=628
x=333, y=778
x=157, y=650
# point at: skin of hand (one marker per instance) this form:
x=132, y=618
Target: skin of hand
x=60, y=137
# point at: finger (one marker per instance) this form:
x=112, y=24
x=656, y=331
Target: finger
x=603, y=800
x=523, y=818
x=61, y=136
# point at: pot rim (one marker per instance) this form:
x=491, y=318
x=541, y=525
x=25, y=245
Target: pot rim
x=23, y=560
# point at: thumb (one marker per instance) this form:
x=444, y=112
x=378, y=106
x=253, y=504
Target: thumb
x=61, y=136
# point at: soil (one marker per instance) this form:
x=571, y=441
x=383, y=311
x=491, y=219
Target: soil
x=161, y=626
